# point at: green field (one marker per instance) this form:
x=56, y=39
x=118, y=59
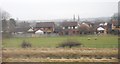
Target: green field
x=106, y=41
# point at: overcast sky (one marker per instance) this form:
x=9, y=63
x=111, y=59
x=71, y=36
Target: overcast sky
x=59, y=9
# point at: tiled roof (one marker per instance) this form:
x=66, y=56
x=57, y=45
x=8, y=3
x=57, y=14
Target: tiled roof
x=45, y=24
x=69, y=24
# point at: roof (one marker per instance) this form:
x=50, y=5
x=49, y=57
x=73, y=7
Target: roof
x=115, y=23
x=30, y=30
x=100, y=28
x=21, y=29
x=84, y=24
x=88, y=22
x=65, y=24
x=45, y=24
x=39, y=32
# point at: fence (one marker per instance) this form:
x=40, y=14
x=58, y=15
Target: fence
x=33, y=35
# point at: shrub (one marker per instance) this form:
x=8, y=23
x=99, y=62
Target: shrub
x=25, y=44
x=70, y=44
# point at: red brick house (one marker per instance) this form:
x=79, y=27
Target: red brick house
x=115, y=25
x=46, y=27
x=69, y=28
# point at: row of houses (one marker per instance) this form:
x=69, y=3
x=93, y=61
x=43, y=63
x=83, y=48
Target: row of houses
x=70, y=28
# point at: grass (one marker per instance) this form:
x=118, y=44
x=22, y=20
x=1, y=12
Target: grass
x=106, y=41
x=43, y=49
x=59, y=60
x=60, y=55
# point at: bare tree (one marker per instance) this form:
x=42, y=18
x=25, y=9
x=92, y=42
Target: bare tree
x=11, y=25
x=4, y=14
x=4, y=17
x=23, y=26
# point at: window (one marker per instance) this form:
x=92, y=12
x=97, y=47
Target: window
x=76, y=27
x=73, y=27
x=63, y=27
x=66, y=27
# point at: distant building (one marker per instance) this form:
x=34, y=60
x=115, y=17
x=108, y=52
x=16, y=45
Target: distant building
x=20, y=30
x=31, y=30
x=100, y=29
x=39, y=32
x=85, y=28
x=69, y=28
x=115, y=25
x=46, y=27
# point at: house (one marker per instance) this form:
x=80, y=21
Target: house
x=69, y=28
x=19, y=30
x=115, y=27
x=101, y=27
x=88, y=23
x=85, y=28
x=100, y=30
x=46, y=27
x=39, y=32
x=31, y=30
